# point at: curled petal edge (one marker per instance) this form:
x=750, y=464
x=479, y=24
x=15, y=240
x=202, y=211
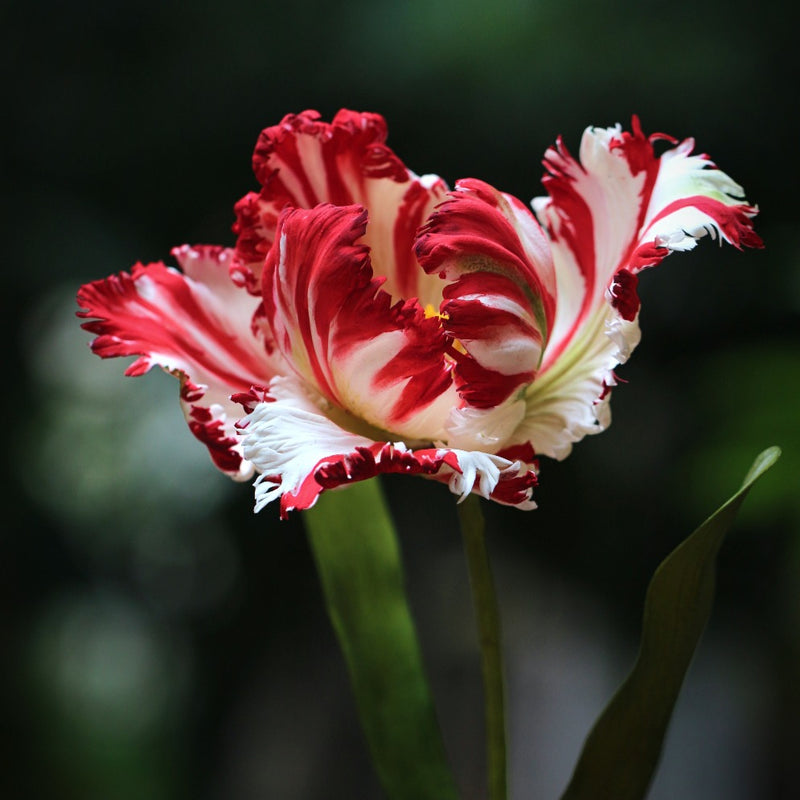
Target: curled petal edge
x=342, y=334
x=499, y=299
x=303, y=162
x=621, y=208
x=572, y=400
x=194, y=324
x=299, y=453
x=655, y=205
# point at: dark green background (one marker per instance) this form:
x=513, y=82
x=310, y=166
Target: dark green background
x=157, y=639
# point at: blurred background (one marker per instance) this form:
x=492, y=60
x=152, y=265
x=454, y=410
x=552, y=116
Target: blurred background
x=160, y=641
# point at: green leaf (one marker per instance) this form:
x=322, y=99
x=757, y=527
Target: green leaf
x=621, y=753
x=358, y=559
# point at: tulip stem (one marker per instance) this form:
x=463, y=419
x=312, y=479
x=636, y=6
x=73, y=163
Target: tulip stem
x=355, y=546
x=487, y=618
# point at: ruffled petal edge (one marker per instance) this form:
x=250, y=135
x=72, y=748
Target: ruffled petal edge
x=196, y=326
x=299, y=453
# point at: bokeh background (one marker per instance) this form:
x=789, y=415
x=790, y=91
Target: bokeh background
x=160, y=641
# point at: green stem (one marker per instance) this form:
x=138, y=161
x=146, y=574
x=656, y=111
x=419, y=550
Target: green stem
x=355, y=547
x=488, y=621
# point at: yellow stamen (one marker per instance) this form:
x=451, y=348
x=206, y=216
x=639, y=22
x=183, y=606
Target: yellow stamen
x=431, y=312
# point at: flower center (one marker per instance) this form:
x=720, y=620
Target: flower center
x=431, y=312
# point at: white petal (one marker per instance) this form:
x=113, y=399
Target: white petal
x=488, y=429
x=565, y=404
x=287, y=438
x=482, y=472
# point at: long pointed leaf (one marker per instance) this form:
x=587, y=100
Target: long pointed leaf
x=622, y=751
x=358, y=559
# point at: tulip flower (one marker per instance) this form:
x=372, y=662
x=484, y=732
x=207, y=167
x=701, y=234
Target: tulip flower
x=369, y=320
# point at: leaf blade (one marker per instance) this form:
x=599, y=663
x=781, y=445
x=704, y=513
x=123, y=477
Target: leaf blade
x=622, y=750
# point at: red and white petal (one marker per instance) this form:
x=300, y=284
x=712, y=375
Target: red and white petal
x=286, y=437
x=500, y=299
x=509, y=483
x=194, y=324
x=619, y=210
x=394, y=219
x=385, y=364
x=303, y=162
x=691, y=198
x=214, y=424
x=622, y=208
x=571, y=399
x=300, y=452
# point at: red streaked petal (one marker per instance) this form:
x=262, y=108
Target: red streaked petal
x=214, y=424
x=300, y=453
x=500, y=301
x=256, y=221
x=303, y=162
x=283, y=153
x=619, y=210
x=623, y=208
x=194, y=324
x=340, y=332
x=407, y=279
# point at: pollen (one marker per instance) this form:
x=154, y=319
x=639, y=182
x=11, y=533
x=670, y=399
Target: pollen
x=431, y=312
x=455, y=346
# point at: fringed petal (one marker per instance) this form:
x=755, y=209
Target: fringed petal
x=500, y=298
x=337, y=327
x=300, y=452
x=194, y=324
x=623, y=208
x=303, y=162
x=619, y=209
x=571, y=399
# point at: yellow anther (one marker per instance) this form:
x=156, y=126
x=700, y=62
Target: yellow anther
x=431, y=312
